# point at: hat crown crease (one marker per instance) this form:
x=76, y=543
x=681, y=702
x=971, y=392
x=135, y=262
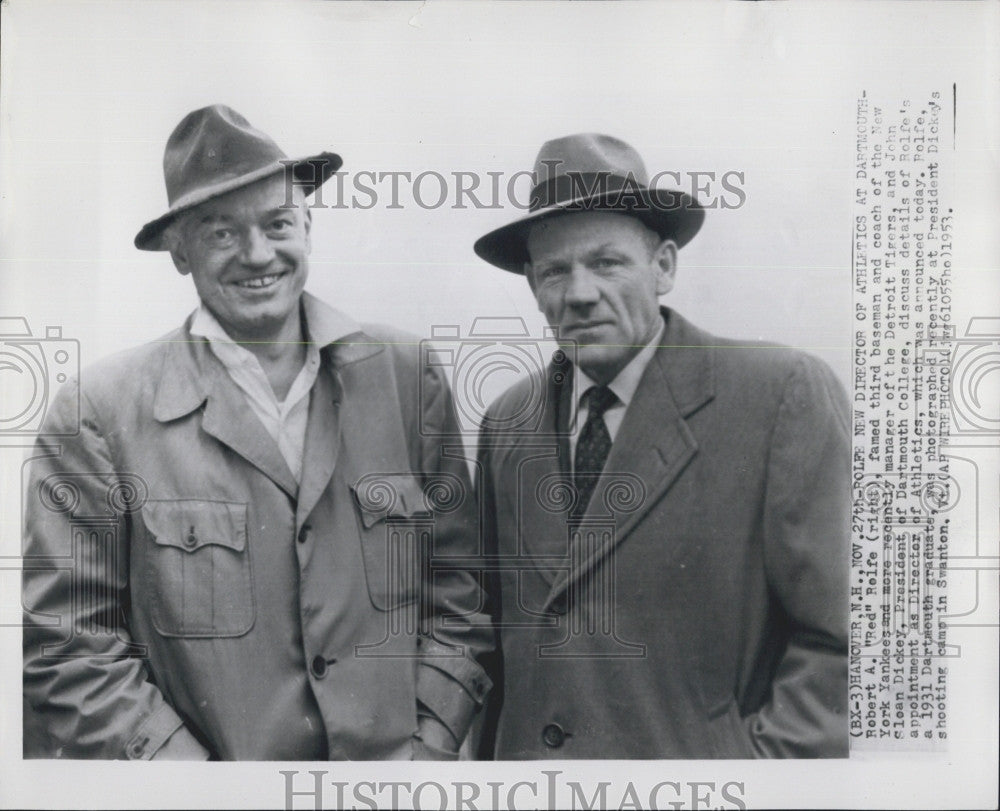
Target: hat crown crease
x=215, y=150
x=589, y=153
x=214, y=144
x=590, y=171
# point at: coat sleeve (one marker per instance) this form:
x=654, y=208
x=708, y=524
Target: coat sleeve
x=457, y=635
x=84, y=676
x=807, y=546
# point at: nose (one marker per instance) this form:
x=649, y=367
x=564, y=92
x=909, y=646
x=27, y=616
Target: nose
x=581, y=291
x=256, y=249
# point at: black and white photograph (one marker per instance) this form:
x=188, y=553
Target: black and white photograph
x=499, y=404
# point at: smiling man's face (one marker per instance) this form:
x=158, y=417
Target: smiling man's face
x=248, y=258
x=597, y=277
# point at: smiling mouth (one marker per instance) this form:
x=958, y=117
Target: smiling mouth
x=260, y=282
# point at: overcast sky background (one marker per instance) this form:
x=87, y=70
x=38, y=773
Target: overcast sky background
x=91, y=89
x=442, y=88
x=394, y=88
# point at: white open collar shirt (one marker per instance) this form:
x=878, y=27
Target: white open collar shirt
x=285, y=421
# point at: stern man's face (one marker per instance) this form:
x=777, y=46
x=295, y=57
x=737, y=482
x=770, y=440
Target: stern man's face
x=597, y=277
x=248, y=258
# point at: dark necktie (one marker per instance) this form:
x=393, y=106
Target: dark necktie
x=593, y=446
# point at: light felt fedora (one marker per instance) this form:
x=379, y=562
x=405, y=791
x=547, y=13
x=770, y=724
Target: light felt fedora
x=214, y=150
x=591, y=172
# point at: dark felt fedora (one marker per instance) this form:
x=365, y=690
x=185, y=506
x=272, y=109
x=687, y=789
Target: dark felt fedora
x=590, y=172
x=214, y=150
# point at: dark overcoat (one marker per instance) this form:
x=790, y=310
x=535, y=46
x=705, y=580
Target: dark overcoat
x=699, y=609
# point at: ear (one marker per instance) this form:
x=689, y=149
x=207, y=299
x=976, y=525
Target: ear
x=173, y=240
x=307, y=221
x=665, y=260
x=530, y=276
x=179, y=255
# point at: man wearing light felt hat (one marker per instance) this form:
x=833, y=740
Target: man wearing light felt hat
x=263, y=590
x=671, y=546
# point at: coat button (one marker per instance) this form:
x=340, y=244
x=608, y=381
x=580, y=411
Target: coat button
x=136, y=749
x=304, y=533
x=553, y=735
x=191, y=538
x=319, y=667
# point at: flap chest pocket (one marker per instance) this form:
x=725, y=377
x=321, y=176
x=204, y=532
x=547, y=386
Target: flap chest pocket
x=199, y=568
x=190, y=524
x=395, y=528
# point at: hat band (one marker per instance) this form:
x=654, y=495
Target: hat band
x=578, y=187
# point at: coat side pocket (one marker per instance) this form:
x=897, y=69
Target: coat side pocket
x=395, y=529
x=730, y=738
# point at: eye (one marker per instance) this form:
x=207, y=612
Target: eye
x=605, y=262
x=220, y=236
x=550, y=272
x=280, y=225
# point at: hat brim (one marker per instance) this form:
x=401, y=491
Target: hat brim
x=150, y=237
x=671, y=214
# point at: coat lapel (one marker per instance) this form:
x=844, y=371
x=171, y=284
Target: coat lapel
x=653, y=445
x=331, y=412
x=193, y=376
x=543, y=472
x=322, y=442
x=230, y=420
x=368, y=437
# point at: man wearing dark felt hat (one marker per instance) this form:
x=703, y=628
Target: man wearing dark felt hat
x=671, y=544
x=232, y=554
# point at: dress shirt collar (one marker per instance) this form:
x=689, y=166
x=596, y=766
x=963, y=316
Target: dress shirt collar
x=627, y=380
x=206, y=325
x=245, y=368
x=184, y=384
x=323, y=324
